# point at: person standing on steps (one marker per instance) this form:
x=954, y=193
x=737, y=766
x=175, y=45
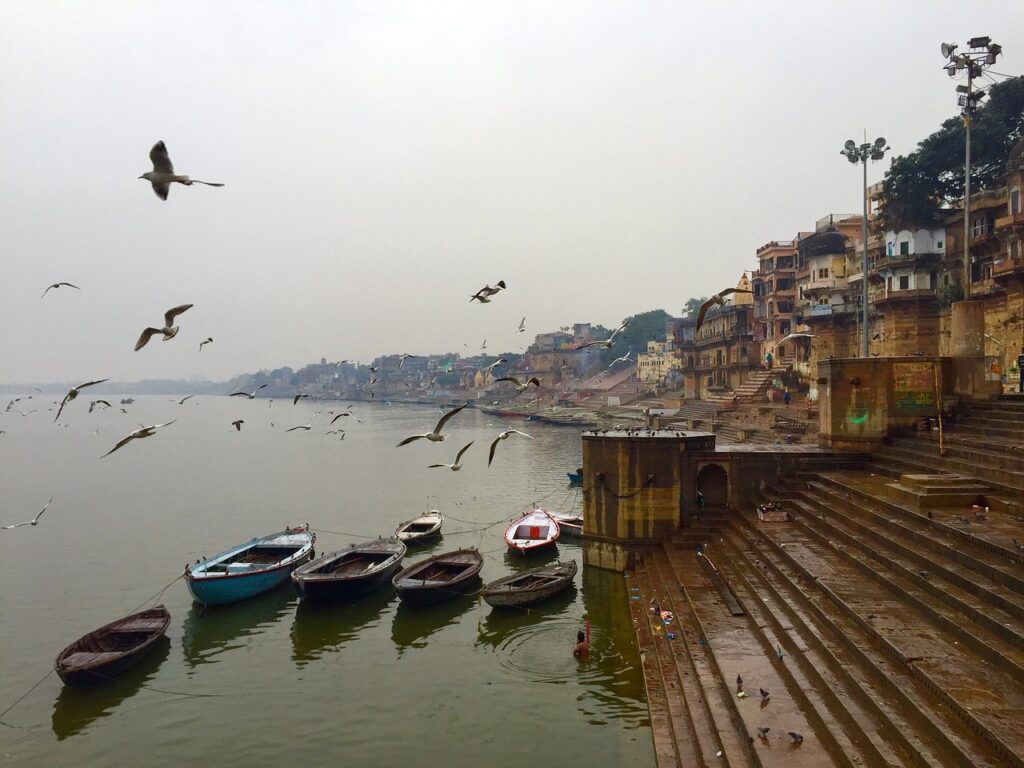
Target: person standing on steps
x=768, y=359
x=1020, y=371
x=786, y=398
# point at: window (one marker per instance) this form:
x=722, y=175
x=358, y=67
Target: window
x=905, y=248
x=823, y=273
x=904, y=282
x=1014, y=249
x=938, y=245
x=1014, y=202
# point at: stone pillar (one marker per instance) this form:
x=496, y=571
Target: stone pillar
x=967, y=329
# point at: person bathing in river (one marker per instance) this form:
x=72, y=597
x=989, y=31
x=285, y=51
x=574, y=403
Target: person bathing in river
x=582, y=648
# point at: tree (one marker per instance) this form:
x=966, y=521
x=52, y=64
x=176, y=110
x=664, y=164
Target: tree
x=692, y=308
x=918, y=185
x=643, y=327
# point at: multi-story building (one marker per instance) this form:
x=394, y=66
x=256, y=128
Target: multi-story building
x=724, y=347
x=654, y=365
x=774, y=286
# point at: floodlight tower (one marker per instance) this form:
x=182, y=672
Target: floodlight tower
x=861, y=154
x=983, y=52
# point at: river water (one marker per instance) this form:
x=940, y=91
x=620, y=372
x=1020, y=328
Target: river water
x=269, y=681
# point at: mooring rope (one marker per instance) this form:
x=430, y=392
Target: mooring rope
x=159, y=594
x=22, y=698
x=604, y=484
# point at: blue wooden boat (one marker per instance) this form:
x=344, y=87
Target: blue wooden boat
x=251, y=568
x=575, y=478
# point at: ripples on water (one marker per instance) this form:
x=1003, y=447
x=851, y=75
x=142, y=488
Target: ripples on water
x=370, y=683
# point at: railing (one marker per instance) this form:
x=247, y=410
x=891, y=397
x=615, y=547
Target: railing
x=1007, y=221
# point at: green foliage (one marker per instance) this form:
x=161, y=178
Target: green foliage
x=643, y=327
x=919, y=184
x=692, y=308
x=950, y=293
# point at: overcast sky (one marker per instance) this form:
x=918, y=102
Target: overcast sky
x=383, y=161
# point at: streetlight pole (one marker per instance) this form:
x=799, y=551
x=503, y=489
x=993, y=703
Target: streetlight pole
x=861, y=154
x=982, y=53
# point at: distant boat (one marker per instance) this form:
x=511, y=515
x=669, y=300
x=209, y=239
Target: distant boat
x=102, y=653
x=532, y=532
x=423, y=528
x=576, y=478
x=351, y=572
x=126, y=401
x=570, y=525
x=251, y=568
x=529, y=587
x=440, y=577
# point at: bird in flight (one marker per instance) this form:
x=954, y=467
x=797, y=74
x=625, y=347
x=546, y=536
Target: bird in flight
x=456, y=466
x=344, y=413
x=306, y=427
x=73, y=393
x=485, y=292
x=163, y=173
x=208, y=340
x=138, y=434
x=496, y=363
x=503, y=436
x=237, y=424
x=623, y=359
x=186, y=397
x=607, y=343
x=246, y=394
x=296, y=399
x=434, y=436
x=11, y=404
x=94, y=403
x=169, y=331
x=33, y=521
x=520, y=386
x=404, y=357
x=58, y=285
x=719, y=300
x=522, y=326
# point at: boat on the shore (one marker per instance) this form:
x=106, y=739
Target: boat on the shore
x=533, y=532
x=351, y=572
x=423, y=528
x=576, y=478
x=251, y=568
x=99, y=655
x=571, y=525
x=440, y=577
x=531, y=586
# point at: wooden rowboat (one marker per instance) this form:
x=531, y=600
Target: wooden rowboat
x=533, y=532
x=531, y=586
x=571, y=526
x=350, y=573
x=440, y=577
x=104, y=652
x=423, y=528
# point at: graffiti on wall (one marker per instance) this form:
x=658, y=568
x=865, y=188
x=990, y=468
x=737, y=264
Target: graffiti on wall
x=913, y=387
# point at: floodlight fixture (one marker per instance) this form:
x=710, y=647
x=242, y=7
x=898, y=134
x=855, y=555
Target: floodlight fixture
x=979, y=42
x=961, y=89
x=948, y=50
x=879, y=143
x=850, y=145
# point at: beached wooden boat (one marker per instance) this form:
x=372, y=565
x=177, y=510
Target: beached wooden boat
x=426, y=527
x=570, y=525
x=351, y=572
x=533, y=532
x=531, y=586
x=251, y=568
x=102, y=653
x=440, y=577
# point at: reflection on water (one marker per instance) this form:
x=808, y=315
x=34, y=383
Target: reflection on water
x=214, y=630
x=76, y=708
x=517, y=561
x=324, y=628
x=413, y=624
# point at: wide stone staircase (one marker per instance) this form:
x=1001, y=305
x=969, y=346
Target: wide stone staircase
x=752, y=390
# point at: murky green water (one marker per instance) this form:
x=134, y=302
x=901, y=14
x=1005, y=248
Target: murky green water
x=370, y=683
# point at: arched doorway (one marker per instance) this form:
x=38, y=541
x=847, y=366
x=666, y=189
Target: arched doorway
x=713, y=484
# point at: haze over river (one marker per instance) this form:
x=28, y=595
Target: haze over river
x=367, y=684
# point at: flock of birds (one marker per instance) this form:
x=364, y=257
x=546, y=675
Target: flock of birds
x=762, y=731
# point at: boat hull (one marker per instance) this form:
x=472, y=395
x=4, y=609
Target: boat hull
x=500, y=594
x=440, y=577
x=112, y=649
x=231, y=589
x=534, y=532
x=432, y=596
x=344, y=590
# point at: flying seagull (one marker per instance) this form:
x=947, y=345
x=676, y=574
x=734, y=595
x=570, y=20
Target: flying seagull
x=483, y=294
x=11, y=404
x=33, y=521
x=496, y=363
x=169, y=331
x=522, y=326
x=503, y=436
x=58, y=285
x=237, y=424
x=296, y=399
x=73, y=393
x=163, y=173
x=623, y=359
x=186, y=397
x=246, y=394
x=209, y=340
x=344, y=413
x=456, y=466
x=306, y=427
x=137, y=434
x=401, y=362
x=435, y=436
x=607, y=343
x=719, y=300
x=94, y=403
x=520, y=386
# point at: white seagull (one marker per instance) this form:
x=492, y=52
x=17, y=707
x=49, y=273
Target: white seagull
x=435, y=436
x=208, y=340
x=306, y=427
x=170, y=330
x=623, y=359
x=58, y=285
x=163, y=173
x=520, y=386
x=33, y=521
x=94, y=403
x=719, y=299
x=483, y=293
x=182, y=401
x=344, y=413
x=456, y=466
x=503, y=436
x=607, y=343
x=295, y=400
x=138, y=434
x=73, y=393
x=246, y=394
x=496, y=363
x=405, y=356
x=522, y=326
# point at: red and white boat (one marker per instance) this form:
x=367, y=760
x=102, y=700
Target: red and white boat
x=532, y=532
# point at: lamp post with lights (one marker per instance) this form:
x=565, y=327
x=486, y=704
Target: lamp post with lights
x=861, y=154
x=982, y=53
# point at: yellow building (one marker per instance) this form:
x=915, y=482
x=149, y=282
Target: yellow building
x=652, y=366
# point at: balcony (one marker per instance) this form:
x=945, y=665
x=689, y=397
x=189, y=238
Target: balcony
x=1014, y=222
x=916, y=294
x=819, y=310
x=1008, y=267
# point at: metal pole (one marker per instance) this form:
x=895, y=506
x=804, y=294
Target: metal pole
x=967, y=188
x=864, y=296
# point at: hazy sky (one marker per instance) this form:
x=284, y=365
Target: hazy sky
x=383, y=161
